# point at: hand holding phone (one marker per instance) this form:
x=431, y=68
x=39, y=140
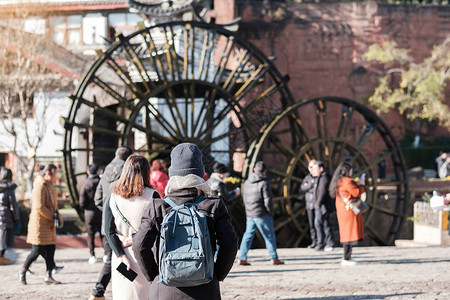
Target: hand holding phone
x=129, y=274
x=362, y=179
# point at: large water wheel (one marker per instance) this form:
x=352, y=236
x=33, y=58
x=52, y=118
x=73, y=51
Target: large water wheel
x=167, y=84
x=305, y=131
x=197, y=82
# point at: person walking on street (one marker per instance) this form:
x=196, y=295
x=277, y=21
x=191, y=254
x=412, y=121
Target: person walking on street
x=308, y=187
x=323, y=206
x=186, y=186
x=123, y=213
x=158, y=178
x=9, y=213
x=41, y=228
x=92, y=215
x=216, y=181
x=102, y=194
x=258, y=202
x=351, y=227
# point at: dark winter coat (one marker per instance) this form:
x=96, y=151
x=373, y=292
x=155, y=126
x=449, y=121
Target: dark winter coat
x=308, y=187
x=322, y=199
x=107, y=183
x=9, y=211
x=220, y=188
x=87, y=196
x=146, y=245
x=257, y=196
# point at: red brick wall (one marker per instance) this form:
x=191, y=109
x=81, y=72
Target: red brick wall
x=320, y=45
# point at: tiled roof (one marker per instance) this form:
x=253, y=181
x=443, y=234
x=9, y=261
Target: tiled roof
x=158, y=8
x=11, y=3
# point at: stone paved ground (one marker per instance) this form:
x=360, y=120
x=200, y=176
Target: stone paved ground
x=382, y=273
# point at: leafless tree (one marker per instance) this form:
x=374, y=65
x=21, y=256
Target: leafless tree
x=25, y=80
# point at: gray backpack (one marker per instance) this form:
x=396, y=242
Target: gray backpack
x=185, y=251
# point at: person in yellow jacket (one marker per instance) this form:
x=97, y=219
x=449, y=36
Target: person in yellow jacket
x=41, y=227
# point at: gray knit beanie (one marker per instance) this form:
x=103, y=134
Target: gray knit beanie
x=186, y=159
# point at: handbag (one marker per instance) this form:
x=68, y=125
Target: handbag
x=56, y=217
x=357, y=205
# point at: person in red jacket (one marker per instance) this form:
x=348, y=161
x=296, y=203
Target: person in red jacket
x=351, y=228
x=158, y=178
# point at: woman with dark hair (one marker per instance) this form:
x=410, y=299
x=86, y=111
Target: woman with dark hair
x=129, y=201
x=41, y=226
x=9, y=213
x=351, y=229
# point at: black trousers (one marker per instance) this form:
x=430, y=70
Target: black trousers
x=312, y=228
x=323, y=229
x=105, y=275
x=93, y=225
x=347, y=251
x=46, y=251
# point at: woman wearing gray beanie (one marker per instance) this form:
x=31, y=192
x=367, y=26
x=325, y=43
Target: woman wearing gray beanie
x=186, y=185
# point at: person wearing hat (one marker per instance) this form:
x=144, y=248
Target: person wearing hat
x=217, y=184
x=92, y=215
x=186, y=185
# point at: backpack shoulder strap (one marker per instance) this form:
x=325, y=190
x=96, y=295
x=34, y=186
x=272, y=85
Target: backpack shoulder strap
x=199, y=200
x=171, y=203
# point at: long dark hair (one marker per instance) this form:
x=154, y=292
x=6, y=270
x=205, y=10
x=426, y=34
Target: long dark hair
x=134, y=178
x=343, y=170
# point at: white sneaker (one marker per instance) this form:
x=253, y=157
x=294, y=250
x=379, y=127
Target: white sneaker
x=92, y=260
x=105, y=258
x=328, y=248
x=348, y=262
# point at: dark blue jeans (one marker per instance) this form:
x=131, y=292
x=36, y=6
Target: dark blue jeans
x=323, y=229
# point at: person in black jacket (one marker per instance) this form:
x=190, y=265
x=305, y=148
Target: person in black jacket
x=308, y=187
x=323, y=206
x=218, y=185
x=258, y=202
x=186, y=185
x=102, y=194
x=9, y=213
x=92, y=215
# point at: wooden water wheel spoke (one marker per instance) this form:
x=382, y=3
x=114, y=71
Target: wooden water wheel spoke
x=235, y=74
x=125, y=77
x=172, y=59
x=134, y=58
x=374, y=162
x=110, y=91
x=223, y=60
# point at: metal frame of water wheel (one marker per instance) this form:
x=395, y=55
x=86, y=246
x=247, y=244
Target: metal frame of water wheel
x=162, y=72
x=289, y=211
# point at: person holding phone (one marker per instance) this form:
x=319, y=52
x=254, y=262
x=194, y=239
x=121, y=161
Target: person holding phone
x=351, y=228
x=130, y=199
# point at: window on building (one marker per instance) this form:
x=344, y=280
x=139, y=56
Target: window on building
x=66, y=30
x=94, y=29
